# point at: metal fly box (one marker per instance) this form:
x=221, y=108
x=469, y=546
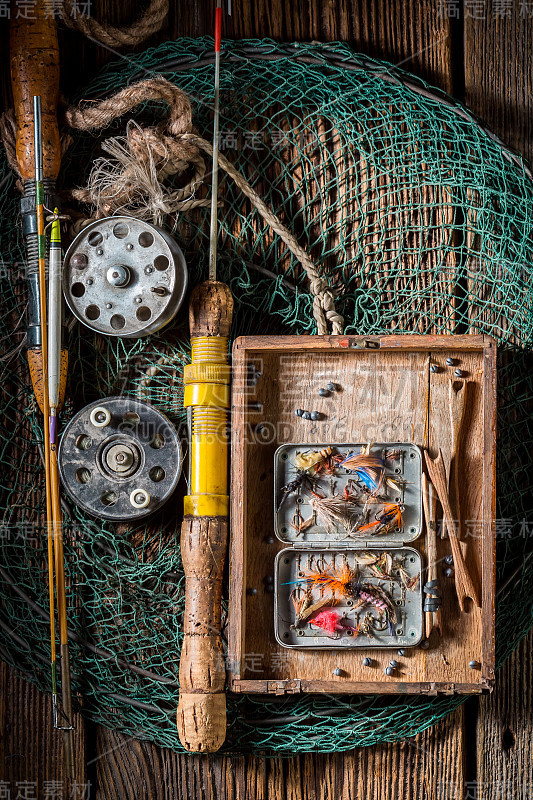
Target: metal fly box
x=382, y=606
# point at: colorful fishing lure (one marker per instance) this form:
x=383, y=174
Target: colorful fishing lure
x=368, y=467
x=318, y=461
x=302, y=481
x=332, y=622
x=387, y=519
x=305, y=608
x=345, y=582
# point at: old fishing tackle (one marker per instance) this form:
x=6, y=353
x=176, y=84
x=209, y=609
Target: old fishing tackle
x=368, y=467
x=333, y=511
x=389, y=568
x=369, y=594
x=305, y=608
x=302, y=481
x=377, y=588
x=50, y=366
x=201, y=713
x=367, y=625
x=317, y=462
x=387, y=519
x=300, y=524
x=347, y=582
x=120, y=458
x=371, y=470
x=301, y=600
x=335, y=581
x=124, y=277
x=38, y=155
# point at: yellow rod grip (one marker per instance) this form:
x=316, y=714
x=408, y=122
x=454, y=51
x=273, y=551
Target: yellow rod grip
x=206, y=382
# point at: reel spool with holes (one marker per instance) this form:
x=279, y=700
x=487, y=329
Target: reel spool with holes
x=124, y=277
x=119, y=459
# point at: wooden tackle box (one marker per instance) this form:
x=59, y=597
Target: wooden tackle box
x=387, y=393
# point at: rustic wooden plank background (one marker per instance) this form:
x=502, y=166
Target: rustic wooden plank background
x=479, y=51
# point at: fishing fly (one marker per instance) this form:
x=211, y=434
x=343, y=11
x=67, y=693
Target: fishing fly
x=368, y=467
x=332, y=622
x=333, y=511
x=358, y=493
x=304, y=608
x=346, y=582
x=317, y=462
x=302, y=481
x=386, y=519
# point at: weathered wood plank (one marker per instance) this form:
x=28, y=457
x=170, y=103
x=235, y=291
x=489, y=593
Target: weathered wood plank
x=30, y=749
x=505, y=730
x=498, y=75
x=498, y=40
x=426, y=767
x=411, y=33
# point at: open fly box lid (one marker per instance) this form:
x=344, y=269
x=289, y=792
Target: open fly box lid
x=348, y=543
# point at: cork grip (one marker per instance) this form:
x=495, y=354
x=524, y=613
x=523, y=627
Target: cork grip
x=35, y=71
x=202, y=705
x=201, y=717
x=210, y=310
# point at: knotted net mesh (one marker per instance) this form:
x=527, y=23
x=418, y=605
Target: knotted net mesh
x=421, y=220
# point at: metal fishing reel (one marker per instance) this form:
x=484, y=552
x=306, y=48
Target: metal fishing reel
x=124, y=277
x=119, y=459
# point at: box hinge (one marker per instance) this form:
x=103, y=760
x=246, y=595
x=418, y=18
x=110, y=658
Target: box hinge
x=321, y=545
x=360, y=343
x=284, y=687
x=440, y=688
x=354, y=544
x=381, y=544
x=446, y=688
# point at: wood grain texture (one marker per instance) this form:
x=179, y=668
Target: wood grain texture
x=464, y=587
x=505, y=730
x=498, y=79
x=499, y=88
x=385, y=395
x=35, y=71
x=30, y=748
x=210, y=310
x=423, y=767
x=201, y=715
x=498, y=73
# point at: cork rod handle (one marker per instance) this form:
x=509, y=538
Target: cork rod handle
x=202, y=703
x=34, y=56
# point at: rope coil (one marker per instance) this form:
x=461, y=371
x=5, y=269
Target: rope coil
x=132, y=180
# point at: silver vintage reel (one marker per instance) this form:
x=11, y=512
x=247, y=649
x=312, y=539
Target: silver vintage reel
x=124, y=277
x=119, y=459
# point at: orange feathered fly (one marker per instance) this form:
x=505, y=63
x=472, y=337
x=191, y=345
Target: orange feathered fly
x=389, y=518
x=335, y=582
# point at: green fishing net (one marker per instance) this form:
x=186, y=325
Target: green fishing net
x=422, y=222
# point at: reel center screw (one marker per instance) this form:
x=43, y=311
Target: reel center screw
x=120, y=457
x=118, y=275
